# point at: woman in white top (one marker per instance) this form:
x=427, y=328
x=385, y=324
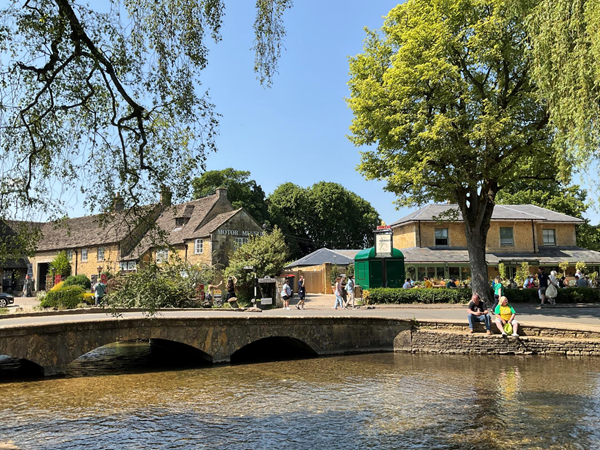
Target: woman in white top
x=552, y=289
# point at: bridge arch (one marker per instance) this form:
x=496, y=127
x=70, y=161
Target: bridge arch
x=273, y=348
x=138, y=355
x=14, y=367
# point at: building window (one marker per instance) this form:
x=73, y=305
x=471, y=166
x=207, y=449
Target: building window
x=127, y=266
x=162, y=255
x=441, y=236
x=506, y=236
x=84, y=253
x=70, y=255
x=549, y=237
x=239, y=241
x=199, y=246
x=100, y=253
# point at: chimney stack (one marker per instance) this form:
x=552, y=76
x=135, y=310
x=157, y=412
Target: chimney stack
x=118, y=203
x=221, y=192
x=165, y=196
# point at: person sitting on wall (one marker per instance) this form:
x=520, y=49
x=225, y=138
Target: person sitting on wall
x=407, y=284
x=210, y=294
x=506, y=314
x=427, y=283
x=478, y=313
x=231, y=297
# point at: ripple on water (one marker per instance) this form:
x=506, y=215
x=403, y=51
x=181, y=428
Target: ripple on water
x=362, y=401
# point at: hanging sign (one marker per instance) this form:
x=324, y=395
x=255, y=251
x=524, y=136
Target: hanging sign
x=383, y=245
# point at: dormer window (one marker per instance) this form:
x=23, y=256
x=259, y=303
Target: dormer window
x=181, y=221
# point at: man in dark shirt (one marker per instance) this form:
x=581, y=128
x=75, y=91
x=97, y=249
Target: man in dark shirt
x=543, y=284
x=478, y=313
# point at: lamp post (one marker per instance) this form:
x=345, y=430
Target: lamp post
x=99, y=270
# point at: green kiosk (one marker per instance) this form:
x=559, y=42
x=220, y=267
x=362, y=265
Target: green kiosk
x=380, y=266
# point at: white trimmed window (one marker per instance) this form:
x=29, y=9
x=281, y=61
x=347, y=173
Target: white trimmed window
x=199, y=246
x=127, y=266
x=100, y=253
x=549, y=236
x=84, y=254
x=239, y=241
x=162, y=255
x=506, y=236
x=70, y=255
x=441, y=236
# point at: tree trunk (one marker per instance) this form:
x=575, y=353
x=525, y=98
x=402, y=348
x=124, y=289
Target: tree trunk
x=477, y=209
x=476, y=240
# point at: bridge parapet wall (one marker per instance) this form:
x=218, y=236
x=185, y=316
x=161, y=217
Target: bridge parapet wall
x=54, y=346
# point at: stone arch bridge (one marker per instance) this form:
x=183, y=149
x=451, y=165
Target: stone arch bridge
x=53, y=346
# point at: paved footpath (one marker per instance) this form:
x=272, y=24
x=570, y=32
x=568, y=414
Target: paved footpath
x=583, y=317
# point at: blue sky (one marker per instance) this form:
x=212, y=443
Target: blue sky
x=296, y=130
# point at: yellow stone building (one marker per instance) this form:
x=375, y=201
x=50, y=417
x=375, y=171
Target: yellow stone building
x=202, y=231
x=437, y=247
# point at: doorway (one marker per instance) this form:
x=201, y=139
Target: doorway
x=42, y=271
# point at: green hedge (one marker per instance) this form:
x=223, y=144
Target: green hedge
x=396, y=296
x=78, y=280
x=426, y=296
x=67, y=297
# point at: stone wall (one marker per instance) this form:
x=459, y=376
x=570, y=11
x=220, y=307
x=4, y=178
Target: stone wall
x=432, y=341
x=223, y=240
x=405, y=236
x=453, y=338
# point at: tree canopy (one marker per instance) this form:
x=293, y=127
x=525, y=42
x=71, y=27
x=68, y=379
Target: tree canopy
x=445, y=93
x=242, y=191
x=104, y=97
x=323, y=215
x=565, y=44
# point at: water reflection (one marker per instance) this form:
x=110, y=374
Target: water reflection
x=364, y=401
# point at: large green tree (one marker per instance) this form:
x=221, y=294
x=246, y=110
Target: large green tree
x=104, y=97
x=242, y=191
x=323, y=215
x=554, y=195
x=444, y=92
x=565, y=38
x=267, y=255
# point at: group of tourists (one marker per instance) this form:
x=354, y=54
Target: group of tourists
x=286, y=293
x=344, y=294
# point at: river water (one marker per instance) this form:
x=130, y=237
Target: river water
x=122, y=397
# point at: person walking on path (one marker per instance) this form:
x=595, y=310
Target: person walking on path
x=99, y=291
x=338, y=293
x=350, y=291
x=286, y=293
x=301, y=293
x=498, y=291
x=543, y=285
x=552, y=290
x=506, y=314
x=478, y=313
